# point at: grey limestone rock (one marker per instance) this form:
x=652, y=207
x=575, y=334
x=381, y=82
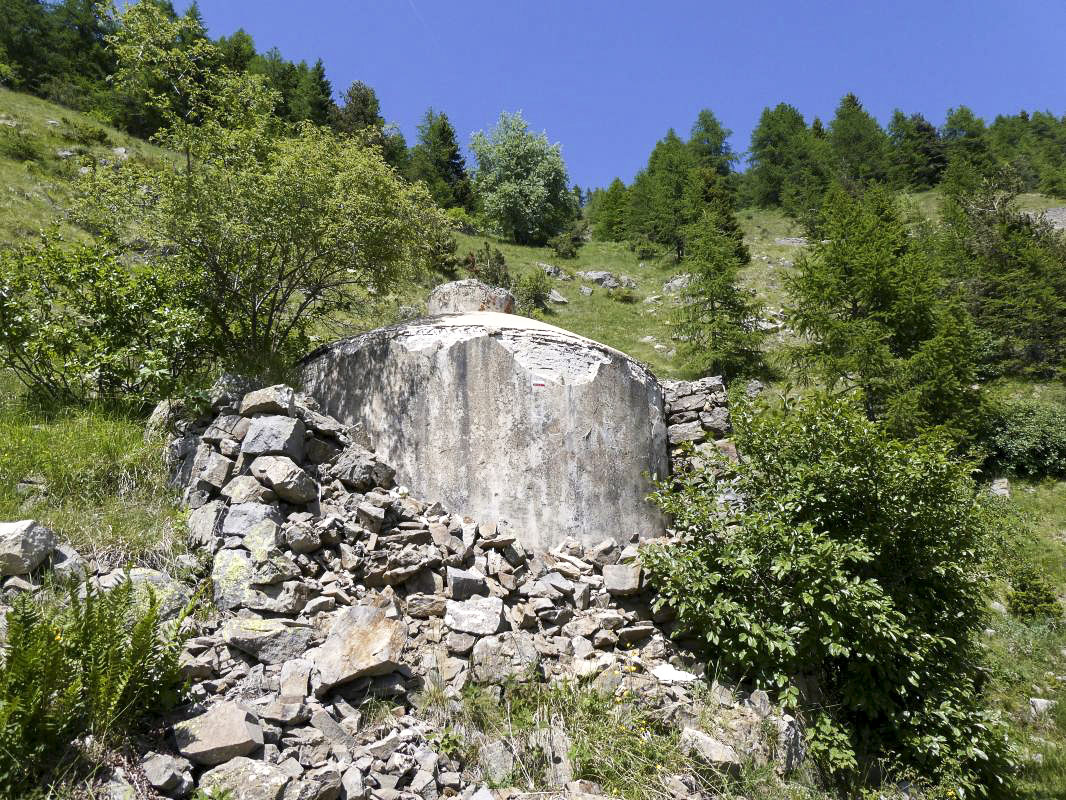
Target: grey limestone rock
x=23, y=546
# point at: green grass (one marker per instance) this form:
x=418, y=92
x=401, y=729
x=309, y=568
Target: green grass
x=1027, y=658
x=599, y=316
x=92, y=476
x=35, y=193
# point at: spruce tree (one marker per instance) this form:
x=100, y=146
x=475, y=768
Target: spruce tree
x=917, y=158
x=438, y=162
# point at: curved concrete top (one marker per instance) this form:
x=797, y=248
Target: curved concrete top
x=506, y=417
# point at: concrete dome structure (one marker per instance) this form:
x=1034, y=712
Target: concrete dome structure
x=504, y=417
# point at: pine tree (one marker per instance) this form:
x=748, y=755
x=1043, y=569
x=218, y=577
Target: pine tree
x=608, y=211
x=320, y=93
x=871, y=303
x=708, y=140
x=656, y=201
x=788, y=163
x=965, y=139
x=359, y=109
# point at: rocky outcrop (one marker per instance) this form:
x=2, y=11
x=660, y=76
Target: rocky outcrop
x=461, y=297
x=504, y=417
x=365, y=593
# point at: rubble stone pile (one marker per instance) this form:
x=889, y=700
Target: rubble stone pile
x=697, y=413
x=336, y=591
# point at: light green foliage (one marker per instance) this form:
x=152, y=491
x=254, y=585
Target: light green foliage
x=521, y=181
x=274, y=236
x=717, y=319
x=870, y=302
x=849, y=584
x=95, y=666
x=78, y=325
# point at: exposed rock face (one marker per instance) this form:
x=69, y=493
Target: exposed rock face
x=460, y=297
x=504, y=417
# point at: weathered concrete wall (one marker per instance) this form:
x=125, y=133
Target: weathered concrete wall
x=505, y=417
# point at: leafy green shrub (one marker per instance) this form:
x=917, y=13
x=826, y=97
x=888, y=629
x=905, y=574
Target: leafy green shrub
x=95, y=666
x=1032, y=594
x=564, y=245
x=78, y=325
x=1025, y=437
x=461, y=219
x=853, y=569
x=622, y=295
x=19, y=146
x=86, y=134
x=531, y=292
x=567, y=243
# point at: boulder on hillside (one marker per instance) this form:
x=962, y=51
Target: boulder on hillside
x=461, y=297
x=362, y=641
x=23, y=546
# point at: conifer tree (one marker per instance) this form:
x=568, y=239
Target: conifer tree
x=917, y=155
x=708, y=140
x=858, y=145
x=717, y=321
x=870, y=301
x=608, y=212
x=438, y=161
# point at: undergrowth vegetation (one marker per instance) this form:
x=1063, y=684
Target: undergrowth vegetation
x=94, y=665
x=630, y=752
x=92, y=475
x=849, y=583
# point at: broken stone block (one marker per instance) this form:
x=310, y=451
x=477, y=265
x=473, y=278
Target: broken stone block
x=622, y=580
x=247, y=779
x=271, y=641
x=286, y=478
x=224, y=732
x=362, y=641
x=275, y=435
x=278, y=399
x=706, y=748
x=478, y=615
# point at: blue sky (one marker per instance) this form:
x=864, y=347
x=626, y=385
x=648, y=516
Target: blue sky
x=607, y=79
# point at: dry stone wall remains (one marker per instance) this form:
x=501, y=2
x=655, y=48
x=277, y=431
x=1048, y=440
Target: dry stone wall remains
x=335, y=587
